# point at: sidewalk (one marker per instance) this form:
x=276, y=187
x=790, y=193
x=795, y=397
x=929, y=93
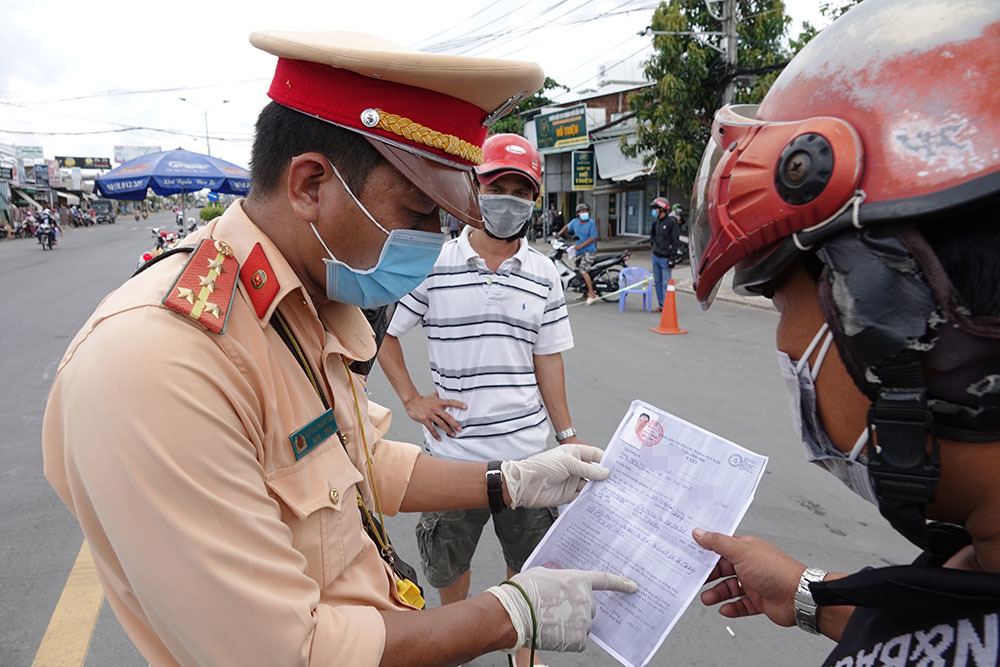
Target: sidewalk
x=643, y=256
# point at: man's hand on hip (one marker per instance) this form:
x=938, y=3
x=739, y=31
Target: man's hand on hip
x=430, y=411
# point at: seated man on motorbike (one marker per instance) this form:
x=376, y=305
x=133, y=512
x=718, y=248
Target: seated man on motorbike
x=585, y=231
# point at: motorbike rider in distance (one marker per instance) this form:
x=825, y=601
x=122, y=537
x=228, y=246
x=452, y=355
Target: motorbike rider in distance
x=585, y=231
x=665, y=236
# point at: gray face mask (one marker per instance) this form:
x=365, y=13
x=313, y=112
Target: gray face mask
x=505, y=215
x=851, y=468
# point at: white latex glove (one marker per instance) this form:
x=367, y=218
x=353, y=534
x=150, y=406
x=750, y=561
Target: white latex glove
x=553, y=477
x=564, y=605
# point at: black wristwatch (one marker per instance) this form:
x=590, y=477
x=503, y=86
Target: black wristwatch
x=494, y=487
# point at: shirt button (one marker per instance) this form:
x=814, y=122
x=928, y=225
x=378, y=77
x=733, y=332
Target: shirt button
x=347, y=438
x=334, y=495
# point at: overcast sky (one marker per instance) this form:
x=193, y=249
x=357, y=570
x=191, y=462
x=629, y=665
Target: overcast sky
x=70, y=69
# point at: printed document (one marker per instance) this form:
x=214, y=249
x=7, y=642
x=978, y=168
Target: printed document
x=668, y=477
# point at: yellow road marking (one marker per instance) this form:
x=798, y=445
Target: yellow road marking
x=72, y=624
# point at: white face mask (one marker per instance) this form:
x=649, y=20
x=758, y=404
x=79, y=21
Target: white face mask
x=505, y=215
x=851, y=468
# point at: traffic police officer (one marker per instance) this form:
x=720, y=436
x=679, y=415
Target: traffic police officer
x=207, y=430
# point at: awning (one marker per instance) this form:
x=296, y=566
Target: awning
x=612, y=165
x=23, y=195
x=70, y=198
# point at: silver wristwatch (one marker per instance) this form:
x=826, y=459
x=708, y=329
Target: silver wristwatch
x=565, y=434
x=805, y=606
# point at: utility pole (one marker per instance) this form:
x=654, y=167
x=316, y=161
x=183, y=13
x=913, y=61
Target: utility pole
x=728, y=40
x=729, y=31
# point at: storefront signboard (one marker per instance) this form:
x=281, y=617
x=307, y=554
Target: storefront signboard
x=583, y=170
x=566, y=127
x=84, y=162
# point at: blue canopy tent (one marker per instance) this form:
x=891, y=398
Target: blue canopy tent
x=173, y=172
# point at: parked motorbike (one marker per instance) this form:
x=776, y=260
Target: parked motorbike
x=681, y=253
x=164, y=240
x=25, y=229
x=603, y=274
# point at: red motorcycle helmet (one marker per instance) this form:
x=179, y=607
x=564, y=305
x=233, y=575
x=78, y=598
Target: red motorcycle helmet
x=509, y=153
x=660, y=202
x=880, y=132
x=888, y=115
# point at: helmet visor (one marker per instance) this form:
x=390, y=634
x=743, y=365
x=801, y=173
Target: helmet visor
x=700, y=230
x=452, y=188
x=761, y=182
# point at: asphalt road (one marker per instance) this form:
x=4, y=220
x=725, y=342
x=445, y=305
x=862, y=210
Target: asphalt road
x=721, y=376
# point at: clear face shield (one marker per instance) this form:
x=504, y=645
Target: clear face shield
x=699, y=230
x=760, y=183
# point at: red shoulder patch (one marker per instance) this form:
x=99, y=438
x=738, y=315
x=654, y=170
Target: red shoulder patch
x=205, y=287
x=259, y=280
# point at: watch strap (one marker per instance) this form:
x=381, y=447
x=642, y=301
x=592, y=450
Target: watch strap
x=806, y=609
x=565, y=434
x=494, y=487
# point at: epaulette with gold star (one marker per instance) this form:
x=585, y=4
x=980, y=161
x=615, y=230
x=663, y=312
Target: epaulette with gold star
x=205, y=287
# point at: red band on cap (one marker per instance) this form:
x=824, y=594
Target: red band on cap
x=340, y=96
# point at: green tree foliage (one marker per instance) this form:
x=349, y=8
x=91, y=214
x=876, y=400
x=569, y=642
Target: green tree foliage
x=211, y=212
x=675, y=115
x=514, y=121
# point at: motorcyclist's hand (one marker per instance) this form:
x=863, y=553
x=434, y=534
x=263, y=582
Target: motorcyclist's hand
x=430, y=411
x=754, y=577
x=553, y=477
x=563, y=601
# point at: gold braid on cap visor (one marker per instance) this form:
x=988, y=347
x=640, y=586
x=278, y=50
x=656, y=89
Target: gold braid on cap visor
x=414, y=131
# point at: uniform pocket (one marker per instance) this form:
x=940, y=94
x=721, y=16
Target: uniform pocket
x=318, y=498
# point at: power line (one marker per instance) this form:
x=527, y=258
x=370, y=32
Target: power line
x=574, y=21
x=488, y=5
x=486, y=41
x=611, y=66
x=113, y=93
x=477, y=39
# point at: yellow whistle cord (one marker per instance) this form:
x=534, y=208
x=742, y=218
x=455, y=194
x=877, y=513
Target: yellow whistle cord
x=368, y=459
x=407, y=590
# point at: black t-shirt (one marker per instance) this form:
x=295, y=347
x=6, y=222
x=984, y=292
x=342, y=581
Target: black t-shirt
x=918, y=614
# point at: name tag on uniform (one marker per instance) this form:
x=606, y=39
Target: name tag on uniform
x=313, y=433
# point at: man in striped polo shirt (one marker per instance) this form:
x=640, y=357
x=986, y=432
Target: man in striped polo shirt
x=495, y=318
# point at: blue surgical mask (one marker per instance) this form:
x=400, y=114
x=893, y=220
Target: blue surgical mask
x=407, y=256
x=851, y=468
x=655, y=212
x=585, y=216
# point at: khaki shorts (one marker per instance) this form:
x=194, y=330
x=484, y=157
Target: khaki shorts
x=586, y=261
x=447, y=540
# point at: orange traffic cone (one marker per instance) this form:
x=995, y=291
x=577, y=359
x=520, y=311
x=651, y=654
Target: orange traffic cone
x=668, y=318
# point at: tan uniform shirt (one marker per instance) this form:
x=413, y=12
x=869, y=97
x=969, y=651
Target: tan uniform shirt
x=170, y=445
